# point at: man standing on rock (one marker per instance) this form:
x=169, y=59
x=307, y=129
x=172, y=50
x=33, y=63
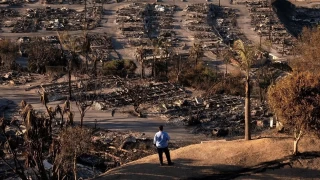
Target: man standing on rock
x=161, y=140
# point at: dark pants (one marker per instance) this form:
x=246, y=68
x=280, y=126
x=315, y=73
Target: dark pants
x=166, y=151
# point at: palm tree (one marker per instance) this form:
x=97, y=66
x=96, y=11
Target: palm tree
x=59, y=110
x=247, y=55
x=66, y=110
x=45, y=100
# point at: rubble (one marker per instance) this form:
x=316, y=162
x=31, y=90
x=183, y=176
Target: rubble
x=110, y=148
x=102, y=48
x=6, y=14
x=214, y=26
x=265, y=21
x=161, y=92
x=149, y=21
x=53, y=19
x=199, y=20
x=218, y=115
x=15, y=78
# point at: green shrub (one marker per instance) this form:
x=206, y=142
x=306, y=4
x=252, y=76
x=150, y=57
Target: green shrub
x=119, y=67
x=233, y=85
x=210, y=80
x=200, y=77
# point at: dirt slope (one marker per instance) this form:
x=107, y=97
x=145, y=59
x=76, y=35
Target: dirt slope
x=265, y=158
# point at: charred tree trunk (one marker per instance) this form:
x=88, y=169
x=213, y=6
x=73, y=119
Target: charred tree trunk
x=247, y=110
x=226, y=68
x=50, y=119
x=61, y=125
x=75, y=166
x=136, y=108
x=142, y=69
x=154, y=67
x=196, y=62
x=297, y=137
x=86, y=61
x=69, y=79
x=18, y=168
x=81, y=118
x=43, y=172
x=95, y=67
x=167, y=66
x=178, y=69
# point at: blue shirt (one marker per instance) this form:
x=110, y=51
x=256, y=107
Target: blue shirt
x=161, y=139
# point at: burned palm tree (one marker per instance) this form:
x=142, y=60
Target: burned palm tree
x=9, y=144
x=58, y=110
x=66, y=109
x=36, y=137
x=23, y=104
x=36, y=142
x=24, y=111
x=45, y=100
x=66, y=106
x=54, y=151
x=70, y=117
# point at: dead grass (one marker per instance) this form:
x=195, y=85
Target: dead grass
x=230, y=159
